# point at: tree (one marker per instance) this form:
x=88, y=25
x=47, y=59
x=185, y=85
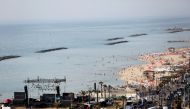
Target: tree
x=105, y=86
x=83, y=94
x=109, y=90
x=101, y=83
x=123, y=99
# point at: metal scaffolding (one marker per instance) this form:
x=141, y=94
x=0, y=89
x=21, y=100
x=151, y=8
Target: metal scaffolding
x=43, y=84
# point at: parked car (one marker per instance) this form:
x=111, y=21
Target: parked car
x=4, y=106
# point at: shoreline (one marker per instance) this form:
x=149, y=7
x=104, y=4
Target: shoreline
x=157, y=66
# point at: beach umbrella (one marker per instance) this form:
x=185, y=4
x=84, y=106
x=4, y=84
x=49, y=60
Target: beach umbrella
x=7, y=101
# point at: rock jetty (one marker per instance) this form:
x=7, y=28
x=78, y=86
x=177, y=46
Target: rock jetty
x=177, y=41
x=50, y=50
x=136, y=35
x=176, y=30
x=116, y=38
x=8, y=57
x=118, y=42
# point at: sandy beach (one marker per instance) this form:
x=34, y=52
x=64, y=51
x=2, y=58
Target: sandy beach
x=156, y=63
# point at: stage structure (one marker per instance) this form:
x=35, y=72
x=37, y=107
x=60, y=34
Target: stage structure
x=44, y=84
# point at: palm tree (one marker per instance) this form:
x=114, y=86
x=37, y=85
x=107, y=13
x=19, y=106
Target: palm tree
x=89, y=92
x=83, y=94
x=109, y=90
x=123, y=99
x=105, y=86
x=101, y=83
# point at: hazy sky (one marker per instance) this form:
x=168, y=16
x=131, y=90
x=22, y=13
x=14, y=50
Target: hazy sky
x=87, y=10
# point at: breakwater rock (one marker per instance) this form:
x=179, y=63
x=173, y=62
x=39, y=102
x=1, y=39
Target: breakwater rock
x=8, y=57
x=50, y=50
x=116, y=38
x=136, y=35
x=118, y=42
x=175, y=41
x=176, y=30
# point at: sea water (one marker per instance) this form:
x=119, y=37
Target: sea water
x=87, y=59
